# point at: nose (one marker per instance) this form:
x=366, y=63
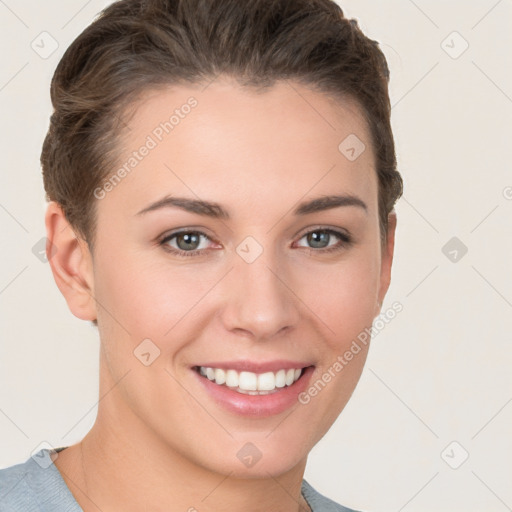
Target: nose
x=260, y=303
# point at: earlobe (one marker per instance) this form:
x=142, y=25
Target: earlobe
x=71, y=263
x=387, y=260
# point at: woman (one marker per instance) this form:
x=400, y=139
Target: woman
x=221, y=177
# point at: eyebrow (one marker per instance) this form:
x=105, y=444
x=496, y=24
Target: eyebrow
x=216, y=211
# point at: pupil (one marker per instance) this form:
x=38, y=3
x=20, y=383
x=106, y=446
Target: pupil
x=191, y=240
x=318, y=239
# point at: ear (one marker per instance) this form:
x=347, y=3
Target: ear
x=387, y=260
x=71, y=263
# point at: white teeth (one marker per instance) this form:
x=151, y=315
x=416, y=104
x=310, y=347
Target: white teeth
x=281, y=379
x=266, y=381
x=220, y=376
x=232, y=378
x=248, y=381
x=251, y=383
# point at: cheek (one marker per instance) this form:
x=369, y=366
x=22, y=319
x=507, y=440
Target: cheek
x=126, y=292
x=344, y=296
x=345, y=304
x=147, y=297
x=345, y=299
x=146, y=301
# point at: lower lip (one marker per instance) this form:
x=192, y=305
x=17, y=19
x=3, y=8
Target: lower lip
x=260, y=406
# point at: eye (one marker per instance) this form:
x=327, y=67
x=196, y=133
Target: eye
x=194, y=243
x=320, y=240
x=185, y=243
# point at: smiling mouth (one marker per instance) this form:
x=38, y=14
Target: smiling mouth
x=249, y=383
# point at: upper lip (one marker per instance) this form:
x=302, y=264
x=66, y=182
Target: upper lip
x=256, y=366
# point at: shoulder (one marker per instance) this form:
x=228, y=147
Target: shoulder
x=35, y=486
x=14, y=491
x=320, y=503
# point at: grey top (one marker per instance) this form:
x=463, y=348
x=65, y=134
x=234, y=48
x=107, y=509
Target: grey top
x=36, y=485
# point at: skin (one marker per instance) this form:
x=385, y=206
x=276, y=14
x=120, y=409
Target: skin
x=159, y=442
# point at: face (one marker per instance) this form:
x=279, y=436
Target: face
x=215, y=254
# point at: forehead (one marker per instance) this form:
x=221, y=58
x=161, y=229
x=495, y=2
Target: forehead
x=224, y=142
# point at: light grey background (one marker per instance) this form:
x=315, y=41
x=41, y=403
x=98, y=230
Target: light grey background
x=438, y=373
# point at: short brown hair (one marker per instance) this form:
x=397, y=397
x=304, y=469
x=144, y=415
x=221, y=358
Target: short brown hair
x=136, y=45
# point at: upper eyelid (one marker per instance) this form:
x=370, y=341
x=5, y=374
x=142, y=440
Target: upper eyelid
x=344, y=238
x=170, y=236
x=343, y=234
x=335, y=230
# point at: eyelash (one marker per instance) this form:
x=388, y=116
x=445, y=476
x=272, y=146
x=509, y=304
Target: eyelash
x=345, y=241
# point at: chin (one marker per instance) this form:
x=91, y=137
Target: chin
x=258, y=456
